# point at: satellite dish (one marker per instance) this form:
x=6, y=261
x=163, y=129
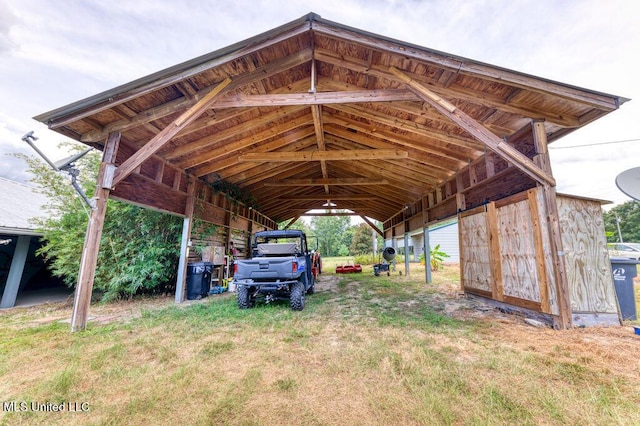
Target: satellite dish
x=65, y=163
x=629, y=182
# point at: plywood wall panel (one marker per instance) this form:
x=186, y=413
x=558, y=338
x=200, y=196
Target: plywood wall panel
x=517, y=252
x=474, y=252
x=586, y=258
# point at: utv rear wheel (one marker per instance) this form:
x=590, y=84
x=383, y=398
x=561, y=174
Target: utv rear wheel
x=297, y=296
x=244, y=298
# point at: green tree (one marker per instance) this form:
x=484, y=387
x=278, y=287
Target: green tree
x=347, y=237
x=362, y=242
x=628, y=215
x=329, y=230
x=139, y=247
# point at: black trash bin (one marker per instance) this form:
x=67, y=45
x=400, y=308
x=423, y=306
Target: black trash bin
x=195, y=273
x=206, y=278
x=624, y=271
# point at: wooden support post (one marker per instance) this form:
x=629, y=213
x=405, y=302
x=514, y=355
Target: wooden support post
x=495, y=258
x=538, y=241
x=89, y=258
x=563, y=320
x=187, y=225
x=394, y=245
x=16, y=269
x=407, y=271
x=425, y=241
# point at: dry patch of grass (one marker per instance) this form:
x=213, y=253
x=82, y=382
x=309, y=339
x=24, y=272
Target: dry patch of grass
x=366, y=350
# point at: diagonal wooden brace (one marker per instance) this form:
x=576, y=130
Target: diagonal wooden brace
x=477, y=130
x=159, y=140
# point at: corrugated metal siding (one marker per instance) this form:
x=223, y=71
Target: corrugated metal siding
x=19, y=204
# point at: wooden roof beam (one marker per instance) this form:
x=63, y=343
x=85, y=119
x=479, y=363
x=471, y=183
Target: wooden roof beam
x=328, y=181
x=352, y=197
x=103, y=101
x=316, y=112
x=492, y=142
x=438, y=166
x=318, y=98
x=340, y=155
x=372, y=225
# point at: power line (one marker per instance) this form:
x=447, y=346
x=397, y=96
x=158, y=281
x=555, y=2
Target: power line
x=594, y=144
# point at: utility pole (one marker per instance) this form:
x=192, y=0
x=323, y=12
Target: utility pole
x=618, y=226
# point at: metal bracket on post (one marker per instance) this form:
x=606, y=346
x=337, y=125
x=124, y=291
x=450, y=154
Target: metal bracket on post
x=107, y=180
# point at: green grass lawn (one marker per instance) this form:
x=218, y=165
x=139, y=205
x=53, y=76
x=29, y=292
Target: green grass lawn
x=365, y=350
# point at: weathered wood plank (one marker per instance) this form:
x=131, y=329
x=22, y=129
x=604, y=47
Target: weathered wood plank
x=146, y=192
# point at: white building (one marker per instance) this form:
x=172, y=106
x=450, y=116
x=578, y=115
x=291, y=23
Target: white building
x=19, y=238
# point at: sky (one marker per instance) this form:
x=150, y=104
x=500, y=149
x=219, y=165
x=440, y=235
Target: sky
x=53, y=53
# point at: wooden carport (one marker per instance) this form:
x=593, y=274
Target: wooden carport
x=314, y=114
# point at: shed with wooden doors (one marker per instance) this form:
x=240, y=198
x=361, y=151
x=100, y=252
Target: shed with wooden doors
x=315, y=114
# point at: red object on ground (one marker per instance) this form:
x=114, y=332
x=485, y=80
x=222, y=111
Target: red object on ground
x=348, y=269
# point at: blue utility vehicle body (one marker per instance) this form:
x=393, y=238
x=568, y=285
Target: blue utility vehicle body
x=280, y=268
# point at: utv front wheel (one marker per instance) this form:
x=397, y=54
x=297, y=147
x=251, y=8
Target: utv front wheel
x=244, y=298
x=297, y=296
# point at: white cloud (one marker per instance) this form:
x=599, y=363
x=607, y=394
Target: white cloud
x=54, y=53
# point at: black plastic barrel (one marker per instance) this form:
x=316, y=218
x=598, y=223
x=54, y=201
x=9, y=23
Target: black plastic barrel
x=206, y=278
x=624, y=271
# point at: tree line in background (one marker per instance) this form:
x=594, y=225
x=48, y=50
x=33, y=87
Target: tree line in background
x=140, y=248
x=622, y=223
x=336, y=236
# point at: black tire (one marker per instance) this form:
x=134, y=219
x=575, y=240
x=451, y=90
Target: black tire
x=297, y=296
x=244, y=298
